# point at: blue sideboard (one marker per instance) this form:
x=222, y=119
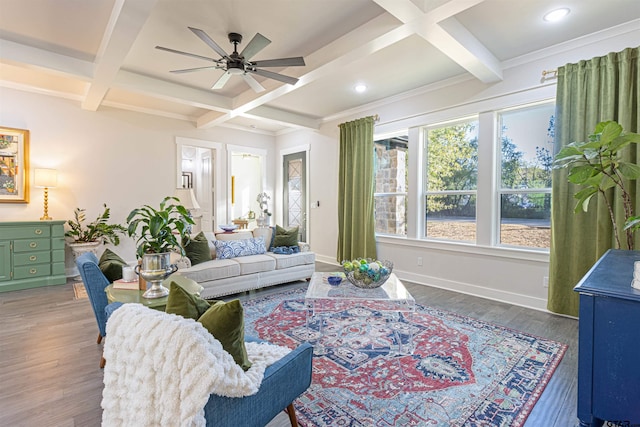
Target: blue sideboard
x=31, y=254
x=609, y=342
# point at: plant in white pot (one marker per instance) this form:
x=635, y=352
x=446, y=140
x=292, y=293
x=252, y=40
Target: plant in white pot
x=87, y=237
x=159, y=232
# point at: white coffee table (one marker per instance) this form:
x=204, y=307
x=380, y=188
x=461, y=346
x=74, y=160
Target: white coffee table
x=391, y=299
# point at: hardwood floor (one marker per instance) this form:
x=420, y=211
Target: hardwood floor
x=49, y=375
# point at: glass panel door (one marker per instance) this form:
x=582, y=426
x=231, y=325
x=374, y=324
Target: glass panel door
x=295, y=197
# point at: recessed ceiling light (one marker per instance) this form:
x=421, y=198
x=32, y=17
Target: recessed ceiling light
x=360, y=88
x=556, y=15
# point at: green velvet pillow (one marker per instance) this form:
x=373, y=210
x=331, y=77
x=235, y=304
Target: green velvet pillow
x=285, y=237
x=185, y=304
x=225, y=321
x=111, y=265
x=197, y=249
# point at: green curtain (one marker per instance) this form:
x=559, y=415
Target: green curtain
x=356, y=222
x=600, y=89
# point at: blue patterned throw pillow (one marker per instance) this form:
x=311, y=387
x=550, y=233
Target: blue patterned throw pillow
x=226, y=249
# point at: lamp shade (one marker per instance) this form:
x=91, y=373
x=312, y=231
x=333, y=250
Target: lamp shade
x=187, y=198
x=46, y=178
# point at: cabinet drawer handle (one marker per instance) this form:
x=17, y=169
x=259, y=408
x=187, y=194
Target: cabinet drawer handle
x=38, y=231
x=33, y=271
x=33, y=244
x=33, y=258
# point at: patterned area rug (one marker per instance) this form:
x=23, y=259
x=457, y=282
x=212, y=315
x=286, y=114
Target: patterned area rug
x=79, y=291
x=462, y=371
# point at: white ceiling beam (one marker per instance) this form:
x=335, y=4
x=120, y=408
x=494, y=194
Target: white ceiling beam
x=163, y=89
x=127, y=19
x=287, y=118
x=440, y=28
x=32, y=57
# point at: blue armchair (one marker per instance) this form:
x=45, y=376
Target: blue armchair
x=283, y=382
x=95, y=282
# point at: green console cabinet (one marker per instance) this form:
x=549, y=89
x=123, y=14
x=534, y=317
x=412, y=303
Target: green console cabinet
x=31, y=254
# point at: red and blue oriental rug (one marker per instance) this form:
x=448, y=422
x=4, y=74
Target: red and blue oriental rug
x=462, y=371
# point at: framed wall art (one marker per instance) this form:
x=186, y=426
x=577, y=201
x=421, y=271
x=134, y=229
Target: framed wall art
x=14, y=165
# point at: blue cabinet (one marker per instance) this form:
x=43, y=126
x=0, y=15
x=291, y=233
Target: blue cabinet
x=609, y=342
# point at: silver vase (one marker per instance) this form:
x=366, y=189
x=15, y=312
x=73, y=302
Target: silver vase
x=154, y=269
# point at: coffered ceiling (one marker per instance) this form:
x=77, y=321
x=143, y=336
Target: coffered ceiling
x=102, y=52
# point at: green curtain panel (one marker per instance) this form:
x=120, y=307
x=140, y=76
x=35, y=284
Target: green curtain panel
x=356, y=223
x=600, y=89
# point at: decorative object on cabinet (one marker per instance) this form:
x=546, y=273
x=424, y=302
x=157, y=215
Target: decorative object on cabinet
x=608, y=368
x=31, y=254
x=596, y=166
x=14, y=165
x=45, y=178
x=159, y=231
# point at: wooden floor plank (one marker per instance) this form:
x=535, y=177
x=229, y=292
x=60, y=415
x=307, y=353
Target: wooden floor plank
x=49, y=375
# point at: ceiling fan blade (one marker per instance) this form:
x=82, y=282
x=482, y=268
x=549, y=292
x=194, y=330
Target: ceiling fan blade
x=281, y=62
x=209, y=41
x=257, y=87
x=189, y=70
x=193, y=55
x=275, y=76
x=221, y=81
x=257, y=43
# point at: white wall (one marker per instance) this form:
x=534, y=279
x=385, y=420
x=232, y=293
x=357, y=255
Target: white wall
x=514, y=276
x=121, y=158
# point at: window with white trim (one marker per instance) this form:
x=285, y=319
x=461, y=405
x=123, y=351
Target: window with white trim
x=525, y=140
x=451, y=180
x=391, y=184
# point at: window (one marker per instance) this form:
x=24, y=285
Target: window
x=390, y=195
x=452, y=175
x=525, y=138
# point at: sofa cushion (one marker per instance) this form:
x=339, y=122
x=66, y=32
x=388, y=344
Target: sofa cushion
x=285, y=237
x=239, y=248
x=111, y=265
x=183, y=303
x=212, y=270
x=255, y=263
x=225, y=321
x=292, y=260
x=197, y=249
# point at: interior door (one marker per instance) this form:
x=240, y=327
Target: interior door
x=207, y=192
x=295, y=192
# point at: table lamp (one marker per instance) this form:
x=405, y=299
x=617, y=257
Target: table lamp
x=46, y=178
x=188, y=200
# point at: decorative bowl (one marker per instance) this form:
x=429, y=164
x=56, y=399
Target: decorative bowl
x=367, y=273
x=334, y=280
x=228, y=228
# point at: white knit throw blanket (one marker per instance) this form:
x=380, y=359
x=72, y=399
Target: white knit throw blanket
x=161, y=369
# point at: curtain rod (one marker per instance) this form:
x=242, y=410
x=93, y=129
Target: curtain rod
x=376, y=118
x=549, y=74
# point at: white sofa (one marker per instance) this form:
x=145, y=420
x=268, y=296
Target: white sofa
x=221, y=277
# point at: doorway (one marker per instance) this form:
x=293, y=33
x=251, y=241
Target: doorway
x=294, y=195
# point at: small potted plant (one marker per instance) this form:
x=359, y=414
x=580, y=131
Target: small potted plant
x=263, y=200
x=87, y=237
x=158, y=231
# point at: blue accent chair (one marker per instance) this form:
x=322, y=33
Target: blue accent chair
x=283, y=382
x=95, y=282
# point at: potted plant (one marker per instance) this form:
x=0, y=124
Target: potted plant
x=158, y=231
x=263, y=200
x=598, y=167
x=87, y=237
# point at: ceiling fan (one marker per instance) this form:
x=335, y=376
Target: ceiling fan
x=239, y=63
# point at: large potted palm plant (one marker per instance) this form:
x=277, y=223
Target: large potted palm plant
x=158, y=232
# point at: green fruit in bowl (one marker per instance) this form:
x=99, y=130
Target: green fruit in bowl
x=348, y=266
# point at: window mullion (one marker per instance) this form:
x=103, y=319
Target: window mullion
x=487, y=202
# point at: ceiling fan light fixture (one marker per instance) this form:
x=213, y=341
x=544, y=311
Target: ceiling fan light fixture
x=556, y=15
x=360, y=87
